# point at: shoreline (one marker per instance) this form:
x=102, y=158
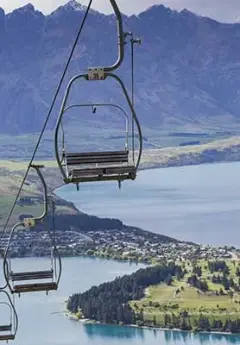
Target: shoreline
x=156, y=166
x=190, y=318
x=73, y=316
x=85, y=257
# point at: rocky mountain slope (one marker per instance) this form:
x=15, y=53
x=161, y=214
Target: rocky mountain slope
x=187, y=68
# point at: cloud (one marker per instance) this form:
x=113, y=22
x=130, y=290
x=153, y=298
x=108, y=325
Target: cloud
x=223, y=10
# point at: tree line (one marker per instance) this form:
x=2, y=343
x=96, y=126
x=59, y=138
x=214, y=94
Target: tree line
x=186, y=322
x=218, y=266
x=109, y=302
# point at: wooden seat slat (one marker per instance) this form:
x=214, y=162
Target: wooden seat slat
x=31, y=275
x=34, y=287
x=5, y=328
x=98, y=154
x=80, y=161
x=7, y=337
x=96, y=157
x=102, y=171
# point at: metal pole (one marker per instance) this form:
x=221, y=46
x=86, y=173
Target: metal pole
x=139, y=42
x=133, y=41
x=132, y=73
x=120, y=59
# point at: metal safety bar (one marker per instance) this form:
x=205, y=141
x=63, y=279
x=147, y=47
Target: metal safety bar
x=64, y=107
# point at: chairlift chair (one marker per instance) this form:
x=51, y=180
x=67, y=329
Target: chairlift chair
x=9, y=328
x=47, y=280
x=79, y=167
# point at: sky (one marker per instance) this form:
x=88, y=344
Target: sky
x=222, y=10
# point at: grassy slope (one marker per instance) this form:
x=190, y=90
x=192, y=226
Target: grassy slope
x=206, y=304
x=216, y=151
x=11, y=172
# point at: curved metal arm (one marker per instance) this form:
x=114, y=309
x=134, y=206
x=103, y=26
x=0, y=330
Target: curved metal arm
x=56, y=254
x=63, y=136
x=13, y=312
x=63, y=107
x=10, y=310
x=135, y=118
x=55, y=251
x=2, y=253
x=121, y=44
x=45, y=203
x=6, y=263
x=124, y=113
x=5, y=258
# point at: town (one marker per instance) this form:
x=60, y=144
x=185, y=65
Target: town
x=128, y=244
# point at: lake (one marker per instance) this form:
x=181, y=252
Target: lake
x=199, y=203
x=42, y=321
x=196, y=203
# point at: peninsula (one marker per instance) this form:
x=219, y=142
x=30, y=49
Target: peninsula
x=201, y=295
x=163, y=295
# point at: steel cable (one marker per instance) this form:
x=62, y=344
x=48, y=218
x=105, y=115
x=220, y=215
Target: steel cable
x=48, y=115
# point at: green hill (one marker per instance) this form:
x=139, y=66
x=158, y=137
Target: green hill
x=206, y=298
x=199, y=296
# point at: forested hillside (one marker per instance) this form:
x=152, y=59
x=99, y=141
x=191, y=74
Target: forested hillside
x=195, y=295
x=118, y=294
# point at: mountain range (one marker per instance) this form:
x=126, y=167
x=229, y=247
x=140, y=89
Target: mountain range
x=187, y=68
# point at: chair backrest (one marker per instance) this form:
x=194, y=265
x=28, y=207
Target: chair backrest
x=31, y=275
x=109, y=157
x=5, y=328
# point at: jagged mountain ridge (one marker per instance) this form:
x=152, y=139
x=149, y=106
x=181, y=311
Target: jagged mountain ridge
x=187, y=68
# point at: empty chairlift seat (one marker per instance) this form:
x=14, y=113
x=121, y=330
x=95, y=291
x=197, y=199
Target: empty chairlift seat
x=8, y=329
x=7, y=337
x=99, y=166
x=41, y=280
x=30, y=287
x=5, y=328
x=4, y=336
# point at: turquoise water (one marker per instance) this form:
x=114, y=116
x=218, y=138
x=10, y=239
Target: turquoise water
x=192, y=203
x=197, y=203
x=152, y=337
x=42, y=321
x=41, y=317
